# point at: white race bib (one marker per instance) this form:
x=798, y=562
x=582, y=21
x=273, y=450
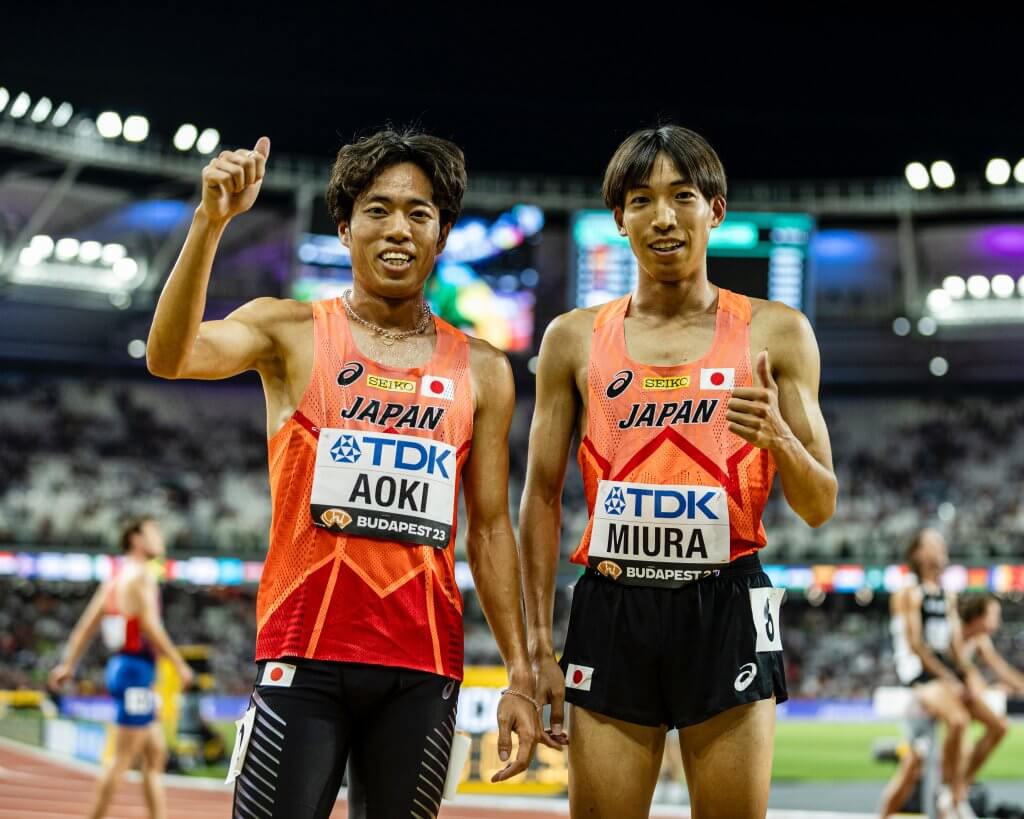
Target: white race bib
x=243, y=733
x=655, y=535
x=139, y=702
x=764, y=606
x=113, y=629
x=384, y=486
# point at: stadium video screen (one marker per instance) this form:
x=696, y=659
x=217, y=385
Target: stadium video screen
x=758, y=254
x=483, y=283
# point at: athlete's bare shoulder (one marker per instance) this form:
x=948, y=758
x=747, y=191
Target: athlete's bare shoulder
x=785, y=332
x=567, y=337
x=774, y=317
x=491, y=373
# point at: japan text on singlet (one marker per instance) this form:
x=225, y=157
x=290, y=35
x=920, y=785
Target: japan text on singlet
x=364, y=479
x=671, y=492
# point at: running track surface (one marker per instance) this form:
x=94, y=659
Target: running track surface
x=37, y=785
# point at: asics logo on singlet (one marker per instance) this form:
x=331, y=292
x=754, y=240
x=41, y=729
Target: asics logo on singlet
x=346, y=450
x=745, y=677
x=615, y=503
x=350, y=373
x=617, y=386
x=665, y=503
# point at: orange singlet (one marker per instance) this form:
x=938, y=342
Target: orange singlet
x=364, y=481
x=670, y=490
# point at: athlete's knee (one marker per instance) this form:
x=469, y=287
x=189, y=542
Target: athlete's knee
x=957, y=720
x=999, y=728
x=154, y=760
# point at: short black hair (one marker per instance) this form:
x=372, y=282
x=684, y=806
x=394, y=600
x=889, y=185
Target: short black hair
x=359, y=163
x=131, y=528
x=974, y=606
x=634, y=159
x=912, y=547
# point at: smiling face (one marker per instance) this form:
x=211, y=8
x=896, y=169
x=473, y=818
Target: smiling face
x=395, y=233
x=668, y=222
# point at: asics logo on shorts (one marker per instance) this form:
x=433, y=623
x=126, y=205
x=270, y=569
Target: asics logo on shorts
x=745, y=677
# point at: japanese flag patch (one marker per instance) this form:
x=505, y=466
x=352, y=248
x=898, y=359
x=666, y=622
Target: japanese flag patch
x=721, y=378
x=279, y=674
x=579, y=676
x=436, y=386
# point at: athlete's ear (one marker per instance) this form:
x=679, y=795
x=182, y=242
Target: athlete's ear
x=344, y=235
x=617, y=214
x=717, y=211
x=442, y=238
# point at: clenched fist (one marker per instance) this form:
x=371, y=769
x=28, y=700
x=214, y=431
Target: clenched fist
x=232, y=181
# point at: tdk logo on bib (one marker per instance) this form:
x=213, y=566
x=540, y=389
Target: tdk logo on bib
x=615, y=503
x=415, y=456
x=346, y=450
x=663, y=504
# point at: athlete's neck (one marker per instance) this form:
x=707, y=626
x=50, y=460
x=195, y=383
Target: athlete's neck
x=391, y=314
x=656, y=299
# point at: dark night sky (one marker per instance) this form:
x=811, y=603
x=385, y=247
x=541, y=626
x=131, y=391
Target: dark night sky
x=525, y=91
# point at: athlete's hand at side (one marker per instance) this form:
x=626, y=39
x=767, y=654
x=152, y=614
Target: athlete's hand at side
x=516, y=715
x=232, y=181
x=185, y=674
x=62, y=673
x=550, y=683
x=754, y=412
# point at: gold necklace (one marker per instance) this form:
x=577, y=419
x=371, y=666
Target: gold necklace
x=388, y=337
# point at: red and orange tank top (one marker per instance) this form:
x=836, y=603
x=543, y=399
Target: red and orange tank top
x=671, y=492
x=364, y=481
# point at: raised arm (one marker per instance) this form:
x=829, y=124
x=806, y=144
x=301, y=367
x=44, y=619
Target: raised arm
x=181, y=344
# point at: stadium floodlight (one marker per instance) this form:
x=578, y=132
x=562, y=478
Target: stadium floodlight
x=112, y=252
x=136, y=348
x=109, y=125
x=42, y=245
x=978, y=286
x=955, y=286
x=62, y=116
x=89, y=252
x=942, y=175
x=917, y=176
x=1003, y=285
x=901, y=326
x=29, y=257
x=41, y=110
x=126, y=268
x=939, y=300
x=997, y=171
x=136, y=128
x=208, y=141
x=1018, y=171
x=927, y=326
x=67, y=249
x=20, y=105
x=938, y=366
x=185, y=137
x=5, y=97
